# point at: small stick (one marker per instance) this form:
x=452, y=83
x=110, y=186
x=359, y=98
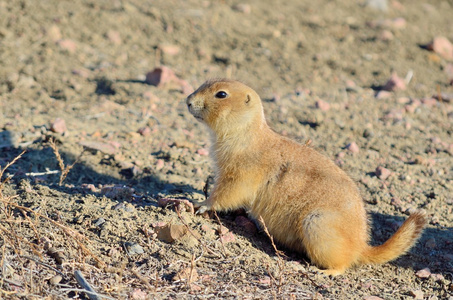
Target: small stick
x=86, y=286
x=42, y=173
x=44, y=264
x=220, y=233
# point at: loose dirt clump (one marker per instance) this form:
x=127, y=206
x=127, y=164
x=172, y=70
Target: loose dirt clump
x=101, y=203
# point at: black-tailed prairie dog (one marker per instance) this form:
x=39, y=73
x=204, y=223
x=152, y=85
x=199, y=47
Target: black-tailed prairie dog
x=306, y=201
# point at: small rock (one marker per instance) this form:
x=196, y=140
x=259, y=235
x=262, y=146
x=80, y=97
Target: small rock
x=228, y=238
x=68, y=45
x=372, y=298
x=54, y=33
x=431, y=243
x=187, y=274
x=322, y=105
x=353, y=147
x=385, y=35
x=114, y=37
x=99, y=222
x=222, y=230
x=442, y=46
x=383, y=95
x=160, y=163
x=138, y=294
x=171, y=50
x=208, y=229
x=133, y=248
x=55, y=280
x=179, y=204
x=203, y=152
x=58, y=126
x=423, y=273
x=417, y=294
x=395, y=83
x=170, y=232
x=195, y=288
x=144, y=131
x=246, y=224
x=165, y=77
x=243, y=8
x=429, y=102
x=382, y=173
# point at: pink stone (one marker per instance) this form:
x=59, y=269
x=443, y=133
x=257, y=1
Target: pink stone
x=171, y=50
x=423, y=273
x=159, y=164
x=114, y=37
x=68, y=45
x=394, y=83
x=382, y=173
x=203, y=152
x=144, y=131
x=246, y=224
x=383, y=95
x=322, y=105
x=353, y=147
x=442, y=46
x=58, y=126
x=228, y=238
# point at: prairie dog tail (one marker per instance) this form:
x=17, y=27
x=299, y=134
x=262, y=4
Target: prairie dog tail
x=403, y=239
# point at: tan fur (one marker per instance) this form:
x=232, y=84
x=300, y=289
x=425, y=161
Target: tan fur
x=307, y=202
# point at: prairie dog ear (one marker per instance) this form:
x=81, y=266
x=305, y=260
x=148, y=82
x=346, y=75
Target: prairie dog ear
x=248, y=99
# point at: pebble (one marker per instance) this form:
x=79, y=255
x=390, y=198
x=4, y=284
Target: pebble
x=385, y=35
x=437, y=277
x=133, y=248
x=416, y=294
x=159, y=164
x=442, y=46
x=394, y=83
x=68, y=45
x=54, y=33
x=228, y=238
x=246, y=224
x=138, y=294
x=114, y=36
x=423, y=273
x=203, y=152
x=118, y=192
x=208, y=229
x=58, y=126
x=170, y=232
x=161, y=76
x=322, y=105
x=382, y=173
x=99, y=222
x=383, y=95
x=372, y=298
x=55, y=280
x=169, y=49
x=353, y=147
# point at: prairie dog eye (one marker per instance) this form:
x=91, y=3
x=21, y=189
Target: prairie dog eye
x=221, y=95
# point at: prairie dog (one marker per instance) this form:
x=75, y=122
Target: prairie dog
x=306, y=201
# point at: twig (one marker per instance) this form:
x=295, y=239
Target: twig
x=64, y=169
x=2, y=170
x=87, y=287
x=44, y=264
x=42, y=173
x=67, y=230
x=220, y=233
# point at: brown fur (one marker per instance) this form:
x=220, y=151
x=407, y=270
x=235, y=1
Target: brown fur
x=307, y=202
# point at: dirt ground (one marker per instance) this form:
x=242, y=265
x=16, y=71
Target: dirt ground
x=74, y=72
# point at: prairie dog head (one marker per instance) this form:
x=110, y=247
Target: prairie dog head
x=226, y=105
